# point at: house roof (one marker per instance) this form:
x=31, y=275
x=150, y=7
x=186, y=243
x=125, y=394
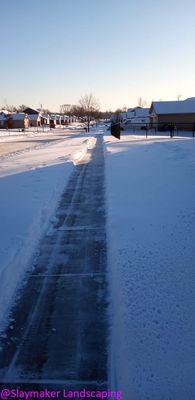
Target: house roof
x=18, y=116
x=2, y=117
x=5, y=112
x=56, y=116
x=174, y=107
x=29, y=110
x=138, y=112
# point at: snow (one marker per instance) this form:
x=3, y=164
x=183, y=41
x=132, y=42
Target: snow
x=79, y=155
x=174, y=107
x=5, y=112
x=151, y=224
x=30, y=187
x=18, y=142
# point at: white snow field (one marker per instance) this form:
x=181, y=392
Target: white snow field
x=151, y=257
x=15, y=142
x=31, y=183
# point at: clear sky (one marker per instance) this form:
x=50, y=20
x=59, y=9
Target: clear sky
x=54, y=51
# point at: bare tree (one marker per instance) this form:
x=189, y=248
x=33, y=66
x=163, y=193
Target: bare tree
x=65, y=108
x=90, y=107
x=118, y=111
x=11, y=108
x=179, y=96
x=46, y=111
x=21, y=108
x=141, y=102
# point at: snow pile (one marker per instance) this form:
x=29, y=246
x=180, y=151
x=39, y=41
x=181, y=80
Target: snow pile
x=79, y=155
x=83, y=154
x=151, y=253
x=91, y=143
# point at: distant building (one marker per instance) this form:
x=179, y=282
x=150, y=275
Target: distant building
x=58, y=119
x=64, y=120
x=18, y=121
x=138, y=116
x=123, y=116
x=180, y=113
x=37, y=117
x=52, y=120
x=3, y=119
x=129, y=113
x=119, y=117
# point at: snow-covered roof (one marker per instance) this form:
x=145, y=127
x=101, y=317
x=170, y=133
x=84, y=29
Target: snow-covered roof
x=2, y=117
x=138, y=112
x=174, y=107
x=18, y=116
x=30, y=110
x=5, y=112
x=56, y=116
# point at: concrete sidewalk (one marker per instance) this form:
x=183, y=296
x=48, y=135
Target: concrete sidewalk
x=58, y=334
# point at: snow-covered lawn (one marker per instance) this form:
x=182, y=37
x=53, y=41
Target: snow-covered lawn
x=151, y=254
x=21, y=141
x=30, y=186
x=34, y=131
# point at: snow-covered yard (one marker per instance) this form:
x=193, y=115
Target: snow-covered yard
x=30, y=186
x=17, y=142
x=151, y=253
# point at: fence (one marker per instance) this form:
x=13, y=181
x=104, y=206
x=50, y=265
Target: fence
x=170, y=128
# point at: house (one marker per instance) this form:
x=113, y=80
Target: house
x=129, y=113
x=52, y=120
x=18, y=121
x=123, y=116
x=34, y=116
x=179, y=113
x=138, y=116
x=45, y=118
x=119, y=117
x=3, y=119
x=37, y=117
x=64, y=120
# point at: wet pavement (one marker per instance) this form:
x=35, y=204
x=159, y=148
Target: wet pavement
x=57, y=336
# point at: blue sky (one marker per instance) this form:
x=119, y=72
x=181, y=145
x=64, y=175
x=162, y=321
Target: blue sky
x=54, y=51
